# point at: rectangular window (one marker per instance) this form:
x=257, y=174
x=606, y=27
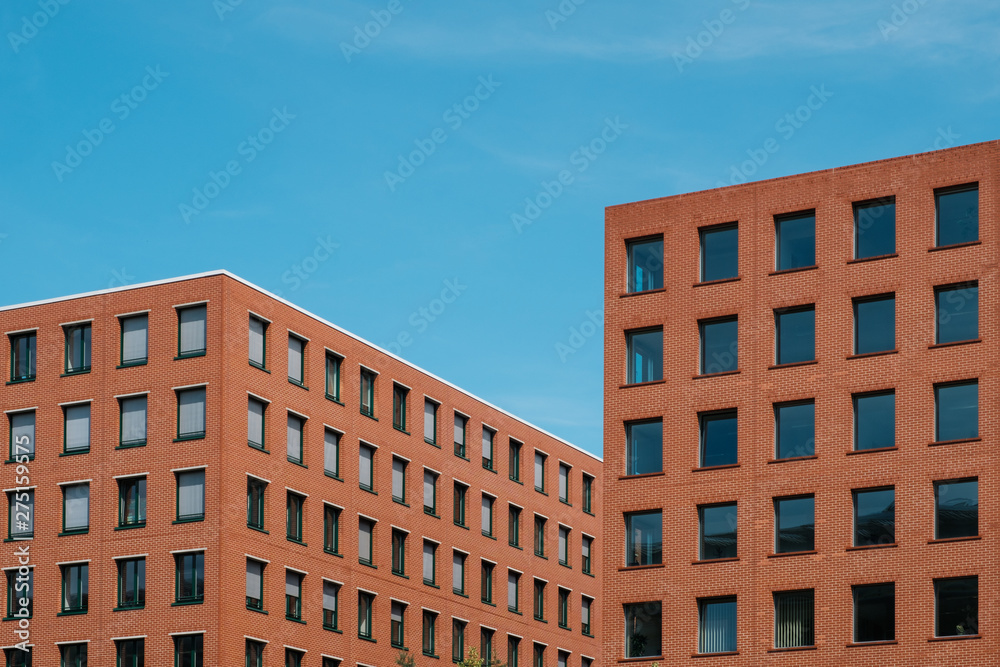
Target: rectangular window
x=486, y=582
x=794, y=623
x=331, y=662
x=77, y=358
x=513, y=590
x=331, y=453
x=366, y=539
x=514, y=526
x=795, y=524
x=190, y=580
x=540, y=460
x=23, y=356
x=719, y=345
x=539, y=536
x=332, y=376
x=189, y=650
x=75, y=588
x=293, y=658
x=258, y=342
x=296, y=360
x=486, y=645
x=956, y=607
x=428, y=633
x=367, y=392
x=132, y=421
x=875, y=228
x=255, y=423
x=76, y=428
x=459, y=504
x=20, y=594
x=585, y=561
x=588, y=493
x=398, y=552
x=717, y=625
x=643, y=633
x=458, y=573
x=255, y=584
x=719, y=439
x=719, y=252
x=513, y=650
x=875, y=324
x=563, y=616
x=488, y=437
x=399, y=394
x=564, y=545
x=366, y=467
x=191, y=414
x=255, y=653
x=22, y=436
x=514, y=460
x=562, y=659
x=255, y=502
x=461, y=421
x=956, y=509
x=18, y=658
x=130, y=652
x=538, y=604
x=956, y=309
x=293, y=595
x=73, y=655
x=795, y=240
x=430, y=563
x=21, y=514
x=538, y=655
x=644, y=538
x=191, y=331
x=331, y=599
x=134, y=340
x=795, y=335
x=564, y=483
x=586, y=604
x=296, y=425
x=191, y=495
x=293, y=516
x=645, y=356
x=430, y=421
x=76, y=508
x=457, y=640
x=957, y=212
x=132, y=501
x=397, y=632
x=365, y=603
x=874, y=420
x=644, y=452
x=874, y=613
x=487, y=515
x=645, y=265
x=795, y=429
x=717, y=525
x=331, y=529
x=956, y=411
x=874, y=517
x=399, y=480
x=430, y=493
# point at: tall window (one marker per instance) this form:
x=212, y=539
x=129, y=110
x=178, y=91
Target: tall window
x=718, y=438
x=366, y=538
x=23, y=356
x=189, y=650
x=538, y=610
x=255, y=653
x=399, y=394
x=22, y=436
x=75, y=588
x=293, y=595
x=76, y=508
x=795, y=334
x=293, y=516
x=719, y=345
x=719, y=252
x=367, y=392
x=540, y=460
x=957, y=214
x=564, y=545
x=794, y=624
x=332, y=376
x=874, y=517
x=255, y=502
x=643, y=633
x=132, y=421
x=191, y=495
x=513, y=650
x=190, y=581
x=429, y=632
x=644, y=453
x=134, y=340
x=587, y=544
x=457, y=640
x=644, y=538
x=397, y=631
x=718, y=531
x=365, y=603
x=645, y=264
x=486, y=582
x=256, y=410
x=258, y=342
x=956, y=607
x=77, y=348
x=538, y=655
x=564, y=483
x=296, y=360
x=563, y=613
x=795, y=239
x=366, y=467
x=539, y=535
x=875, y=324
x=191, y=413
x=717, y=625
x=430, y=421
x=956, y=411
x=586, y=604
x=514, y=460
x=331, y=595
x=513, y=590
x=130, y=652
x=255, y=584
x=296, y=425
x=131, y=502
x=956, y=509
x=331, y=453
x=293, y=657
x=795, y=429
x=588, y=494
x=645, y=355
x=461, y=421
x=73, y=655
x=458, y=573
x=875, y=228
x=874, y=420
x=430, y=563
x=20, y=593
x=486, y=645
x=398, y=552
x=191, y=334
x=874, y=613
x=18, y=658
x=514, y=525
x=487, y=515
x=76, y=429
x=399, y=480
x=488, y=437
x=956, y=313
x=795, y=524
x=430, y=492
x=331, y=529
x=459, y=503
x=21, y=514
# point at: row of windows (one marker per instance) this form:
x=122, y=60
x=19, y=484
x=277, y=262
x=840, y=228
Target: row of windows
x=956, y=419
x=956, y=224
x=956, y=614
x=956, y=517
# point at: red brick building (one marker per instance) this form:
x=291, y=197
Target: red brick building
x=800, y=419
x=201, y=473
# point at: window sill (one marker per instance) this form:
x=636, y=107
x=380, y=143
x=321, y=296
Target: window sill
x=21, y=381
x=792, y=459
x=714, y=655
x=718, y=281
x=67, y=533
x=966, y=244
x=431, y=513
x=631, y=568
x=191, y=520
x=793, y=364
x=949, y=540
x=651, y=657
x=542, y=556
x=332, y=629
x=460, y=525
x=432, y=443
x=955, y=638
x=259, y=611
x=259, y=448
x=792, y=554
x=260, y=367
x=430, y=655
x=367, y=639
x=133, y=608
x=431, y=584
x=187, y=603
x=541, y=491
x=970, y=341
x=586, y=634
x=333, y=553
x=565, y=502
x=401, y=429
x=190, y=355
x=710, y=561
x=131, y=445
x=514, y=611
x=296, y=541
x=641, y=384
x=399, y=574
x=369, y=564
x=708, y=376
x=19, y=618
x=516, y=481
x=796, y=269
x=258, y=529
x=884, y=642
x=399, y=501
x=72, y=613
x=490, y=469
x=20, y=538
x=540, y=620
x=334, y=399
x=866, y=355
x=588, y=573
x=866, y=547
x=462, y=456
x=295, y=620
x=29, y=460
x=873, y=258
x=872, y=450
x=725, y=466
x=370, y=415
x=658, y=290
x=516, y=546
x=460, y=594
x=333, y=476
x=298, y=463
x=565, y=565
x=130, y=364
x=131, y=526
x=792, y=649
x=193, y=436
x=368, y=490
x=297, y=384
x=959, y=441
x=72, y=373
x=75, y=452
x=487, y=602
x=489, y=536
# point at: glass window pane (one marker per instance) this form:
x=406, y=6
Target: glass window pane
x=874, y=517
x=77, y=507
x=957, y=313
x=430, y=421
x=957, y=509
x=365, y=456
x=331, y=452
x=257, y=329
x=719, y=253
x=191, y=495
x=645, y=447
x=643, y=630
x=957, y=411
x=645, y=265
x=718, y=532
x=133, y=419
x=874, y=325
x=796, y=430
x=717, y=626
x=875, y=613
x=957, y=607
x=874, y=228
x=295, y=350
x=957, y=215
x=644, y=538
x=135, y=335
x=718, y=439
x=22, y=434
x=796, y=335
x=645, y=356
x=77, y=427
x=795, y=520
x=192, y=330
x=793, y=619
x=719, y=348
x=191, y=413
x=398, y=477
x=874, y=421
x=796, y=240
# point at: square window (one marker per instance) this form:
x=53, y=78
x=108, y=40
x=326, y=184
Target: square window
x=719, y=348
x=957, y=214
x=429, y=632
x=189, y=650
x=255, y=584
x=191, y=495
x=719, y=252
x=399, y=395
x=293, y=446
x=644, y=538
x=258, y=342
x=190, y=581
x=131, y=583
x=794, y=619
x=795, y=333
x=332, y=376
x=874, y=420
x=957, y=313
x=22, y=436
x=719, y=442
x=488, y=436
x=645, y=356
x=645, y=265
x=331, y=529
x=367, y=392
x=76, y=428
x=875, y=324
x=956, y=509
x=21, y=514
x=293, y=516
x=461, y=421
x=717, y=625
x=130, y=652
x=365, y=603
x=430, y=421
x=366, y=539
x=956, y=607
x=296, y=360
x=20, y=594
x=430, y=563
x=331, y=600
x=134, y=340
x=795, y=236
x=366, y=467
x=23, y=356
x=75, y=588
x=191, y=331
x=132, y=421
x=875, y=228
x=795, y=429
x=717, y=524
x=76, y=508
x=398, y=552
x=874, y=613
x=293, y=595
x=331, y=453
x=643, y=630
x=78, y=346
x=132, y=502
x=874, y=517
x=430, y=493
x=956, y=411
x=795, y=524
x=397, y=633
x=399, y=480
x=191, y=414
x=255, y=502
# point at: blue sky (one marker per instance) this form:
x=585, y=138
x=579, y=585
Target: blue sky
x=147, y=140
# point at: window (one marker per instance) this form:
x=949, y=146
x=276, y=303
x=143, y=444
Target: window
x=645, y=355
x=255, y=653
x=874, y=517
x=514, y=526
x=643, y=630
x=293, y=595
x=718, y=439
x=399, y=480
x=428, y=633
x=430, y=492
x=540, y=471
x=874, y=420
x=795, y=524
x=564, y=483
x=487, y=515
x=255, y=423
x=794, y=622
x=957, y=214
x=132, y=421
x=644, y=538
x=874, y=613
x=538, y=610
x=367, y=392
x=293, y=657
x=539, y=536
x=588, y=493
x=795, y=238
x=645, y=265
x=296, y=360
x=293, y=516
x=564, y=545
x=21, y=514
x=366, y=467
x=562, y=658
x=795, y=331
x=190, y=582
x=22, y=436
x=23, y=357
x=956, y=607
x=875, y=324
x=486, y=582
x=331, y=453
x=719, y=252
x=191, y=331
x=717, y=525
x=397, y=631
x=191, y=414
x=563, y=616
x=73, y=655
x=76, y=428
x=795, y=429
x=587, y=544
x=488, y=437
x=459, y=504
x=875, y=228
x=130, y=652
x=331, y=595
x=365, y=603
x=645, y=447
x=332, y=376
x=460, y=423
x=20, y=593
x=134, y=340
x=956, y=313
x=76, y=509
x=18, y=658
x=513, y=650
x=719, y=345
x=486, y=645
x=255, y=502
x=457, y=640
x=77, y=348
x=956, y=509
x=398, y=552
x=514, y=460
x=538, y=655
x=717, y=625
x=399, y=394
x=430, y=563
x=255, y=584
x=331, y=529
x=296, y=424
x=330, y=662
x=956, y=411
x=458, y=573
x=131, y=501
x=366, y=534
x=430, y=421
x=188, y=650
x=75, y=588
x=191, y=495
x=258, y=342
x=513, y=590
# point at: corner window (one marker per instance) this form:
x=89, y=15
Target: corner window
x=874, y=517
x=23, y=356
x=191, y=414
x=795, y=238
x=957, y=212
x=296, y=360
x=794, y=622
x=131, y=583
x=296, y=425
x=956, y=607
x=132, y=421
x=644, y=538
x=874, y=613
x=430, y=421
x=874, y=420
x=795, y=524
x=645, y=356
x=717, y=625
x=795, y=335
x=78, y=345
x=134, y=340
x=719, y=252
x=22, y=436
x=956, y=509
x=258, y=342
x=717, y=525
x=190, y=582
x=131, y=502
x=795, y=429
x=956, y=313
x=367, y=392
x=461, y=421
x=488, y=436
x=76, y=428
x=76, y=508
x=718, y=439
x=719, y=346
x=956, y=411
x=399, y=394
x=645, y=265
x=190, y=496
x=255, y=584
x=75, y=588
x=875, y=324
x=643, y=630
x=191, y=331
x=875, y=228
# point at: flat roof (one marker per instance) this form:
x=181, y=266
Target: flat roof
x=223, y=272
